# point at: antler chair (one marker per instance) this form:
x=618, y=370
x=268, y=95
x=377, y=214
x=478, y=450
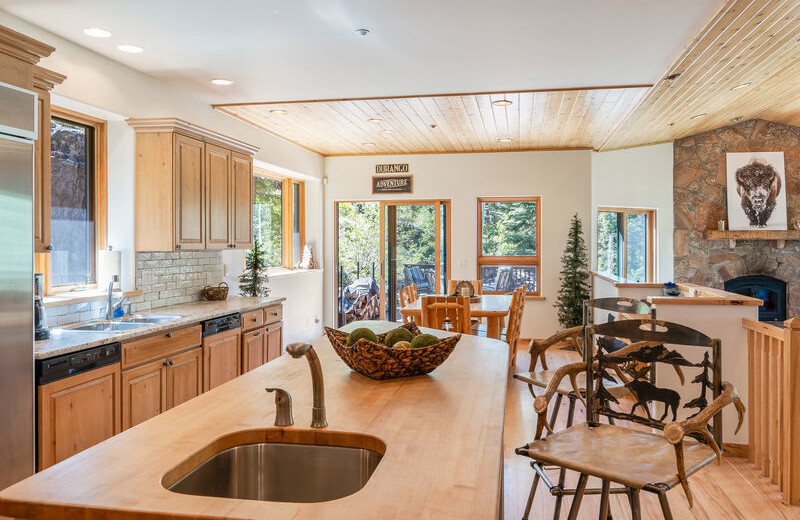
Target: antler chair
x=573, y=391
x=636, y=459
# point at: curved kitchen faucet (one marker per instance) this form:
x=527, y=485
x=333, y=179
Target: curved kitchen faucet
x=297, y=350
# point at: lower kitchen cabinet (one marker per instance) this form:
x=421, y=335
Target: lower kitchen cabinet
x=274, y=341
x=221, y=358
x=261, y=345
x=154, y=387
x=77, y=413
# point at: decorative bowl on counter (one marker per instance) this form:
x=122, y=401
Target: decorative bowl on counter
x=217, y=293
x=381, y=362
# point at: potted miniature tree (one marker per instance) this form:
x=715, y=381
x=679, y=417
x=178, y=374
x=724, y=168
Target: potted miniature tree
x=253, y=281
x=574, y=277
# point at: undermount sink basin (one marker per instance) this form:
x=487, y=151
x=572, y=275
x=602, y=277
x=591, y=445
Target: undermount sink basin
x=279, y=466
x=121, y=325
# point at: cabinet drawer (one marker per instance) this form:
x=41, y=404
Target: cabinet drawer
x=273, y=314
x=160, y=345
x=252, y=319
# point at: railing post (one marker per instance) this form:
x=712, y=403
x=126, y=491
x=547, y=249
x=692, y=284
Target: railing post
x=790, y=422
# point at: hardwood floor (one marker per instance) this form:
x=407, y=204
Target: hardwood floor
x=733, y=489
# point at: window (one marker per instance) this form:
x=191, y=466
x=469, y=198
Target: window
x=626, y=243
x=508, y=244
x=278, y=218
x=78, y=201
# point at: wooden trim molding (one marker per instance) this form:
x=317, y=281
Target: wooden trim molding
x=46, y=79
x=173, y=124
x=23, y=47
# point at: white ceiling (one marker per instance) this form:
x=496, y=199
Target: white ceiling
x=279, y=50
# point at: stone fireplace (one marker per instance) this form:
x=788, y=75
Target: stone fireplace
x=700, y=198
x=771, y=291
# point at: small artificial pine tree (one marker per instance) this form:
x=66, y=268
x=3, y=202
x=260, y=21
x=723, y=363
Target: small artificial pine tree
x=253, y=281
x=574, y=277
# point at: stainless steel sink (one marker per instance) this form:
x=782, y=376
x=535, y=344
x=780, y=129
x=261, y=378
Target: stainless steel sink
x=121, y=325
x=293, y=471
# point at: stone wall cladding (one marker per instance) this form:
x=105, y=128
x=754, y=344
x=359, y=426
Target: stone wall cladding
x=700, y=200
x=170, y=278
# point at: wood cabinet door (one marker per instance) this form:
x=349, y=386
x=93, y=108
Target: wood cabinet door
x=189, y=199
x=41, y=177
x=242, y=201
x=221, y=358
x=77, y=413
x=218, y=198
x=184, y=377
x=253, y=349
x=143, y=392
x=274, y=341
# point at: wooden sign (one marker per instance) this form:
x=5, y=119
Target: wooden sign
x=391, y=168
x=394, y=184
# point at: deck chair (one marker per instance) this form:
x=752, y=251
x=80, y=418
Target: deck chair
x=573, y=389
x=450, y=313
x=637, y=459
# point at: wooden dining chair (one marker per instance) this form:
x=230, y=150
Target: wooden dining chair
x=515, y=313
x=408, y=295
x=638, y=459
x=450, y=313
x=476, y=285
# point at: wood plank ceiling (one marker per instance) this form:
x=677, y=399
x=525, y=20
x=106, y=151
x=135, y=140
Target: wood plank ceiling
x=744, y=63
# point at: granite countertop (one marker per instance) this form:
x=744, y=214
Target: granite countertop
x=65, y=341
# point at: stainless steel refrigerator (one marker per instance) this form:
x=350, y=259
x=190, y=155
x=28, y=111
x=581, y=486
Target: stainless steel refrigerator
x=17, y=134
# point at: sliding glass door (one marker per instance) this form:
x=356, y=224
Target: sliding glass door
x=385, y=246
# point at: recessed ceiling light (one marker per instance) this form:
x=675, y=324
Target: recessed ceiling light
x=698, y=116
x=222, y=81
x=504, y=140
x=502, y=103
x=279, y=111
x=375, y=120
x=96, y=32
x=740, y=86
x=387, y=131
x=367, y=144
x=130, y=49
x=362, y=32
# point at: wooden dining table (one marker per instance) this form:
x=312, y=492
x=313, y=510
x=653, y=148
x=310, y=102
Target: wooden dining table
x=493, y=307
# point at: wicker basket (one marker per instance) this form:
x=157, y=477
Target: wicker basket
x=217, y=293
x=382, y=362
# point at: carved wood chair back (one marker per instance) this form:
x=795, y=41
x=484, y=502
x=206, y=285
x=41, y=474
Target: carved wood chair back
x=408, y=295
x=476, y=285
x=451, y=313
x=515, y=316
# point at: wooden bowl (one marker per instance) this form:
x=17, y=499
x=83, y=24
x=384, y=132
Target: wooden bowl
x=381, y=362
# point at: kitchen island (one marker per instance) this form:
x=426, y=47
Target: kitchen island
x=443, y=434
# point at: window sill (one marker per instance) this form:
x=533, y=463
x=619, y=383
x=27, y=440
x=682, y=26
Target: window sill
x=281, y=272
x=536, y=298
x=72, y=298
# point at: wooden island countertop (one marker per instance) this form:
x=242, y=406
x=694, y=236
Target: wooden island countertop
x=443, y=434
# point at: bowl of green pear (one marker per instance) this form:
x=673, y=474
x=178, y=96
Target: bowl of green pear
x=401, y=352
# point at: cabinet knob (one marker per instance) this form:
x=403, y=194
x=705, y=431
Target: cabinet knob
x=177, y=246
x=166, y=363
x=171, y=362
x=168, y=334
x=50, y=247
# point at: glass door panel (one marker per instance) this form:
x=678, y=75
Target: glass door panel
x=358, y=261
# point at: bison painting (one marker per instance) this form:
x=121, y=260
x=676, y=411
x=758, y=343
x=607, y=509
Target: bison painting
x=758, y=185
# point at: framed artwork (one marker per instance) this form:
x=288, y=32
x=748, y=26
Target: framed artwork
x=756, y=190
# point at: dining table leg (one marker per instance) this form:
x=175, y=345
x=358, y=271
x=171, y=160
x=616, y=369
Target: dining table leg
x=494, y=324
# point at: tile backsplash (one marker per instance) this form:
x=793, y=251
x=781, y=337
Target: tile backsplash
x=169, y=278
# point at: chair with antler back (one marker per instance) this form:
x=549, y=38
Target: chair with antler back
x=408, y=295
x=575, y=390
x=451, y=313
x=636, y=458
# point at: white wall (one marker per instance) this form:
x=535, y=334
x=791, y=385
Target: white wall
x=637, y=178
x=104, y=88
x=562, y=179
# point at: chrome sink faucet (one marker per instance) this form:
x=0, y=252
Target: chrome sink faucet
x=111, y=305
x=297, y=350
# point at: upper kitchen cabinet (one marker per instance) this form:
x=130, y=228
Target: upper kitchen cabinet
x=19, y=56
x=194, y=187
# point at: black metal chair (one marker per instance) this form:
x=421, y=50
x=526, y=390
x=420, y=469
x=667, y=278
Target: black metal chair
x=636, y=459
x=574, y=337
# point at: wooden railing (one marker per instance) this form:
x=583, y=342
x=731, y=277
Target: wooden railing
x=774, y=403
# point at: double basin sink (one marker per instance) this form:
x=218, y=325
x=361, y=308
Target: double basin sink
x=300, y=466
x=120, y=325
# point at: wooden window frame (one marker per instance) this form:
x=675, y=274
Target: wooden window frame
x=42, y=260
x=287, y=214
x=512, y=260
x=651, y=239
